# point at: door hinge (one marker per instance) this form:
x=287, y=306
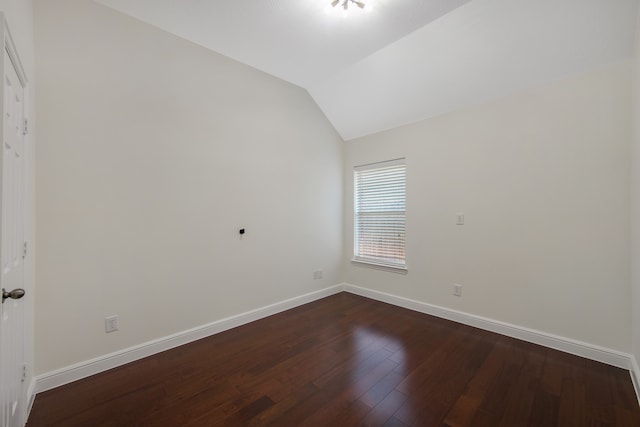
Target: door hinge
x=24, y=372
x=24, y=250
x=25, y=128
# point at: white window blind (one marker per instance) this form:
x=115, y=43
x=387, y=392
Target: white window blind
x=380, y=205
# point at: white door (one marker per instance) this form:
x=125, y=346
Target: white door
x=12, y=249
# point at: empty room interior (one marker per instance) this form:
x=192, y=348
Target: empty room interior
x=320, y=212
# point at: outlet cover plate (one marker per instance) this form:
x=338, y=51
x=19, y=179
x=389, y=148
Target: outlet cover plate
x=111, y=324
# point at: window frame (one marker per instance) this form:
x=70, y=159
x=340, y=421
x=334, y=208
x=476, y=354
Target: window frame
x=372, y=261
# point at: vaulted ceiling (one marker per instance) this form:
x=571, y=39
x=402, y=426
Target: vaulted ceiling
x=400, y=61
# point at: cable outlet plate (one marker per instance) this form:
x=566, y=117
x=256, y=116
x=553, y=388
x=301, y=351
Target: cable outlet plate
x=457, y=290
x=110, y=324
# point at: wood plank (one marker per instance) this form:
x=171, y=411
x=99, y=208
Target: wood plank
x=347, y=360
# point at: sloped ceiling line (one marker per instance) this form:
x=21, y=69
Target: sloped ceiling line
x=405, y=60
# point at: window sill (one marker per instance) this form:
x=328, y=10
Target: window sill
x=384, y=267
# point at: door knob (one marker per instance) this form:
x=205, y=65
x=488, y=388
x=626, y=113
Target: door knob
x=14, y=294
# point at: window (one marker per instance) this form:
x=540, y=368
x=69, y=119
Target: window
x=380, y=204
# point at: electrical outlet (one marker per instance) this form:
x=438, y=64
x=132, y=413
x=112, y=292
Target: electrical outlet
x=317, y=275
x=111, y=324
x=457, y=290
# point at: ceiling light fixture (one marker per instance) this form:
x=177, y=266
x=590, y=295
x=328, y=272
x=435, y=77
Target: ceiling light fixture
x=345, y=3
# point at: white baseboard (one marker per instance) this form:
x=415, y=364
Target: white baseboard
x=568, y=345
x=81, y=370
x=87, y=368
x=635, y=376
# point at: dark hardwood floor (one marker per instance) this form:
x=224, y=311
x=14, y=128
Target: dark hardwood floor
x=349, y=361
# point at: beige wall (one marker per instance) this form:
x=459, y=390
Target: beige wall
x=635, y=201
x=543, y=180
x=153, y=153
